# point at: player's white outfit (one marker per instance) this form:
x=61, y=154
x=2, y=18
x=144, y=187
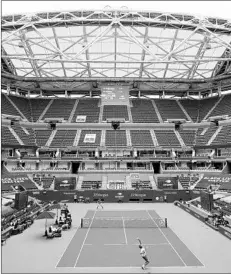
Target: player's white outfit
x=143, y=254
x=99, y=203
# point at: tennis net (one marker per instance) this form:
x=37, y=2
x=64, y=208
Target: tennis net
x=99, y=222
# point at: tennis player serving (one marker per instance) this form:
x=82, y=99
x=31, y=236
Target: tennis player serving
x=143, y=254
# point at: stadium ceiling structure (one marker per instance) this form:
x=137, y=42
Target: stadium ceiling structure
x=75, y=52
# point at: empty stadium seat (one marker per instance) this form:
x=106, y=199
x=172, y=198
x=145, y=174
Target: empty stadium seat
x=115, y=111
x=141, y=138
x=143, y=111
x=116, y=138
x=60, y=108
x=88, y=108
x=167, y=138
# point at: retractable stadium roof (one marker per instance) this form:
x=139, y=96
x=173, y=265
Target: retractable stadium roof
x=153, y=52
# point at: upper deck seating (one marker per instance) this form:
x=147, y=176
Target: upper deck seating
x=143, y=111
x=205, y=105
x=60, y=108
x=7, y=107
x=188, y=137
x=224, y=136
x=63, y=138
x=89, y=144
x=23, y=105
x=192, y=108
x=116, y=138
x=141, y=138
x=42, y=136
x=7, y=137
x=223, y=107
x=27, y=139
x=167, y=138
x=169, y=109
x=88, y=108
x=203, y=139
x=115, y=111
x=37, y=107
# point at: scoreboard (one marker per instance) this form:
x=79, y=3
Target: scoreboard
x=207, y=201
x=114, y=94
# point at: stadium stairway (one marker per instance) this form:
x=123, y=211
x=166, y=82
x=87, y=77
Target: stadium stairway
x=185, y=112
x=152, y=181
x=77, y=137
x=79, y=182
x=30, y=176
x=130, y=113
x=212, y=109
x=154, y=139
x=128, y=182
x=12, y=103
x=103, y=138
x=128, y=136
x=157, y=111
x=45, y=110
x=50, y=139
x=104, y=182
x=16, y=136
x=73, y=111
x=179, y=138
x=101, y=113
x=214, y=135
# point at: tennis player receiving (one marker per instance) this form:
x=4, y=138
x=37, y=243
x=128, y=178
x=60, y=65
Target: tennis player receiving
x=143, y=254
x=99, y=204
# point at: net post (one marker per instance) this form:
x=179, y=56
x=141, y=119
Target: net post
x=166, y=222
x=81, y=223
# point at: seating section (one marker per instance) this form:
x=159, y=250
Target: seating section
x=60, y=108
x=44, y=182
x=224, y=136
x=8, y=137
x=187, y=181
x=143, y=111
x=88, y=108
x=169, y=109
x=116, y=138
x=115, y=111
x=141, y=138
x=7, y=107
x=91, y=185
x=42, y=136
x=23, y=105
x=27, y=139
x=192, y=108
x=202, y=139
x=8, y=183
x=37, y=107
x=225, y=186
x=205, y=106
x=89, y=144
x=167, y=138
x=223, y=107
x=63, y=138
x=188, y=137
x=225, y=207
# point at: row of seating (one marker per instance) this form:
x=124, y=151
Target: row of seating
x=142, y=110
x=139, y=138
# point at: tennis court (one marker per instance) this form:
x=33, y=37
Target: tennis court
x=107, y=239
